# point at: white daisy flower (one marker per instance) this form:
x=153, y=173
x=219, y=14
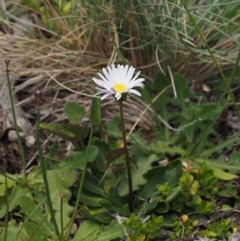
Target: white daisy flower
x=117, y=81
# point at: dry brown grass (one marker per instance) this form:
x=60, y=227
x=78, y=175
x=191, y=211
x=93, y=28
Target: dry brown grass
x=63, y=75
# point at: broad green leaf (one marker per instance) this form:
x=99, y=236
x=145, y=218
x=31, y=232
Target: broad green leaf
x=91, y=183
x=222, y=144
x=14, y=196
x=218, y=169
x=74, y=133
x=77, y=130
x=57, y=130
x=115, y=203
x=10, y=179
x=209, y=111
x=87, y=231
x=159, y=175
x=113, y=127
x=166, y=147
x=96, y=118
x=33, y=232
x=74, y=112
x=183, y=91
x=162, y=207
x=10, y=184
x=160, y=83
x=144, y=165
x=57, y=187
x=13, y=231
x=112, y=207
x=34, y=213
x=91, y=199
x=111, y=232
x=222, y=175
x=76, y=160
x=96, y=214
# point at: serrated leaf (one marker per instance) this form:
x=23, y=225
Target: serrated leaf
x=115, y=203
x=160, y=83
x=75, y=160
x=74, y=112
x=222, y=144
x=87, y=231
x=91, y=183
x=58, y=186
x=111, y=232
x=183, y=91
x=57, y=130
x=97, y=214
x=33, y=232
x=90, y=199
x=144, y=165
x=34, y=213
x=113, y=127
x=159, y=175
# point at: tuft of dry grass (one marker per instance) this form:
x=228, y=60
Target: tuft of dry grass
x=63, y=75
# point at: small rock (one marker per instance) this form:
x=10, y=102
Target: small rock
x=234, y=237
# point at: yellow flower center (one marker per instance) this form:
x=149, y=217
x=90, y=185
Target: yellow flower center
x=119, y=88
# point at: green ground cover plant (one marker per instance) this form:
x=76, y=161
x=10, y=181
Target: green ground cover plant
x=116, y=182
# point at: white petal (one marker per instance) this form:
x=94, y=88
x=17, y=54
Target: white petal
x=118, y=96
x=135, y=92
x=135, y=83
x=104, y=96
x=129, y=75
x=136, y=76
x=98, y=82
x=106, y=74
x=104, y=78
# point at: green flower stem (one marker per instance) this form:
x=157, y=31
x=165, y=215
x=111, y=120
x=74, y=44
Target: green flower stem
x=44, y=174
x=7, y=204
x=213, y=58
x=15, y=122
x=130, y=201
x=61, y=218
x=81, y=184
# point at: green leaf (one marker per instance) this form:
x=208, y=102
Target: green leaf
x=96, y=118
x=57, y=130
x=91, y=183
x=88, y=231
x=162, y=207
x=159, y=175
x=160, y=83
x=232, y=165
x=222, y=175
x=113, y=127
x=34, y=212
x=58, y=186
x=34, y=232
x=111, y=232
x=74, y=133
x=183, y=91
x=218, y=169
x=144, y=165
x=74, y=112
x=76, y=160
x=90, y=199
x=96, y=214
x=115, y=203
